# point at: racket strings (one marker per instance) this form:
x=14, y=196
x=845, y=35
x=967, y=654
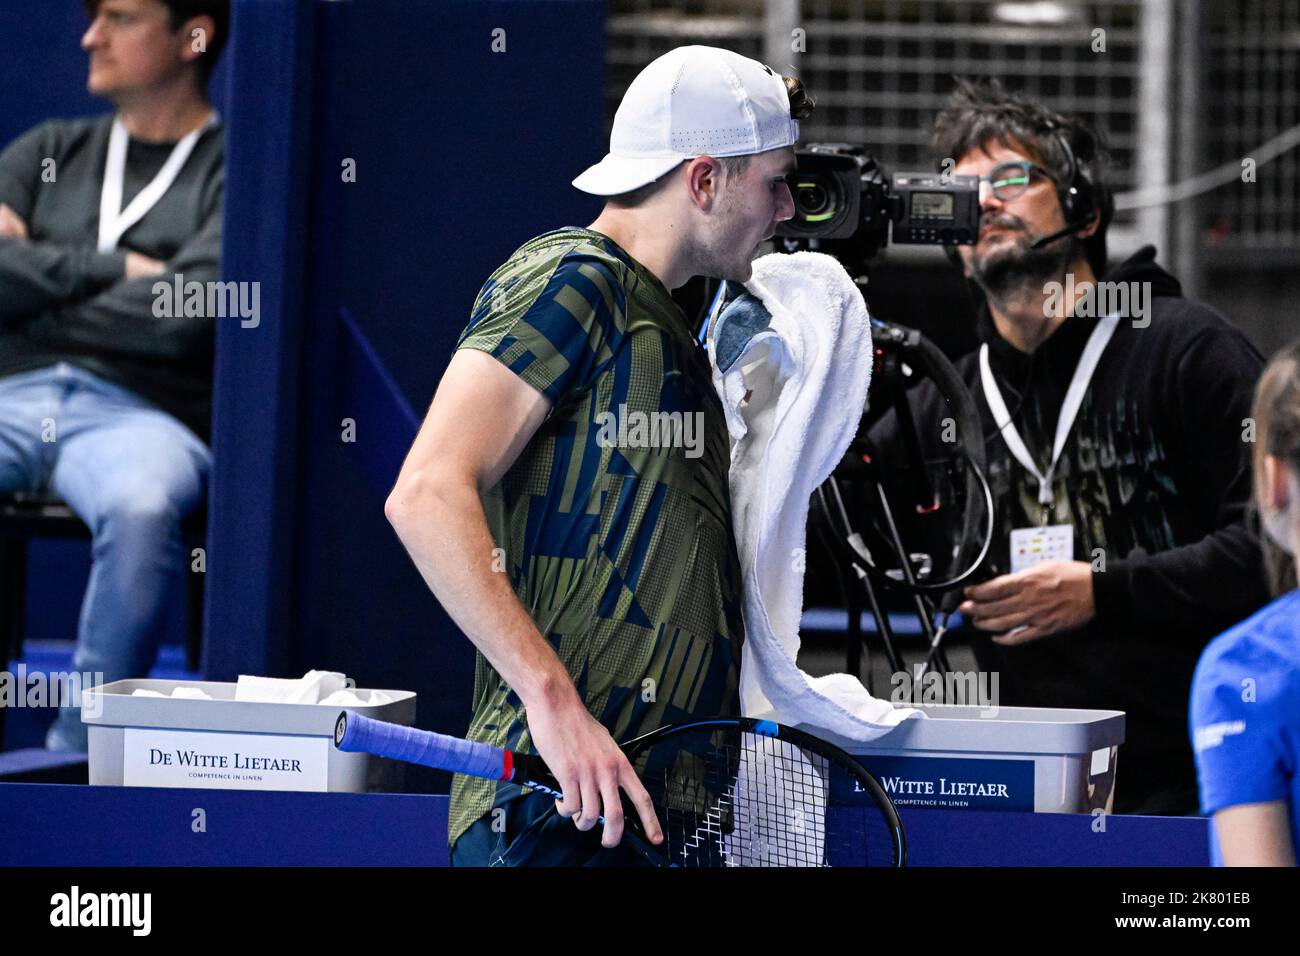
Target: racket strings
x=746, y=800
x=733, y=798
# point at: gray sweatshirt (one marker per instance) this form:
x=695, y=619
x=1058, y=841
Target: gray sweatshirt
x=61, y=300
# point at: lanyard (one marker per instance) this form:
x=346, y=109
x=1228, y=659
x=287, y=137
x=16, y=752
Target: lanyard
x=1069, y=409
x=113, y=219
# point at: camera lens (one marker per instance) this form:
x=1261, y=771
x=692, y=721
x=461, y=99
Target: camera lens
x=814, y=201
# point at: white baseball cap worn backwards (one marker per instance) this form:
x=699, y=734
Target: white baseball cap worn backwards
x=692, y=101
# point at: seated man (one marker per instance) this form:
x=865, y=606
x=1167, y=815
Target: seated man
x=101, y=400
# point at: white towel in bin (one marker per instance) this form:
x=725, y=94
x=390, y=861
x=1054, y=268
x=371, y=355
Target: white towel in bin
x=308, y=689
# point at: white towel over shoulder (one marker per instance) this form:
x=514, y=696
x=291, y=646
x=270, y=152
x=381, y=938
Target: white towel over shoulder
x=806, y=375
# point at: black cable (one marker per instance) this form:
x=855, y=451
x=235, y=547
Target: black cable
x=914, y=346
x=869, y=566
x=849, y=553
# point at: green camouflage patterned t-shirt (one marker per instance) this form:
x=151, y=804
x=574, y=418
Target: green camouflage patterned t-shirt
x=615, y=521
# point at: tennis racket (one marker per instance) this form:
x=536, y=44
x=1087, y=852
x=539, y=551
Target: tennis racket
x=727, y=791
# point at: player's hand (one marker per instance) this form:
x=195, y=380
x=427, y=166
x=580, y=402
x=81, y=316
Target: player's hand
x=591, y=769
x=1046, y=599
x=11, y=224
x=142, y=267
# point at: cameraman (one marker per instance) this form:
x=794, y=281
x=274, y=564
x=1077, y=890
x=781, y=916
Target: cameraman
x=1116, y=441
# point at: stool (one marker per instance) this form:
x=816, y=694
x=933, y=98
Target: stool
x=42, y=515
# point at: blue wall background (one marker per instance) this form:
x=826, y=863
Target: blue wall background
x=460, y=157
x=462, y=154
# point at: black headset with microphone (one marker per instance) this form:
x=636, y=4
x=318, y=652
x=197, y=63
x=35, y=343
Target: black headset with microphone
x=1078, y=196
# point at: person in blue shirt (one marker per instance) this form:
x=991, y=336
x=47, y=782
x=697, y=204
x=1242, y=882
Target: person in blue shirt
x=1245, y=705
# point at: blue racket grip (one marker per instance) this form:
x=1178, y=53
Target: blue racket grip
x=356, y=733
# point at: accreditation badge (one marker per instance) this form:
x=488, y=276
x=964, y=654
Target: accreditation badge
x=1031, y=546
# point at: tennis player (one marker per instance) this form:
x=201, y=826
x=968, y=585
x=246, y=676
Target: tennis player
x=1245, y=710
x=566, y=498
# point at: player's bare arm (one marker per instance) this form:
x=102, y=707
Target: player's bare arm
x=480, y=419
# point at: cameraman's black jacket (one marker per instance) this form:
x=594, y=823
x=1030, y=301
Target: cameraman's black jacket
x=1154, y=478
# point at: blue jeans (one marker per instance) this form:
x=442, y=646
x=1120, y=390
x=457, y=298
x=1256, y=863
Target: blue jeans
x=132, y=472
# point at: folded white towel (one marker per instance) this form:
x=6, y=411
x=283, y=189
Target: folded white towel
x=357, y=698
x=183, y=693
x=329, y=686
x=793, y=393
x=190, y=693
x=255, y=689
x=317, y=684
x=308, y=689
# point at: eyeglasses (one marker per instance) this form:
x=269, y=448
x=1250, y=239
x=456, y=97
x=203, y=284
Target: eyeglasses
x=1010, y=180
